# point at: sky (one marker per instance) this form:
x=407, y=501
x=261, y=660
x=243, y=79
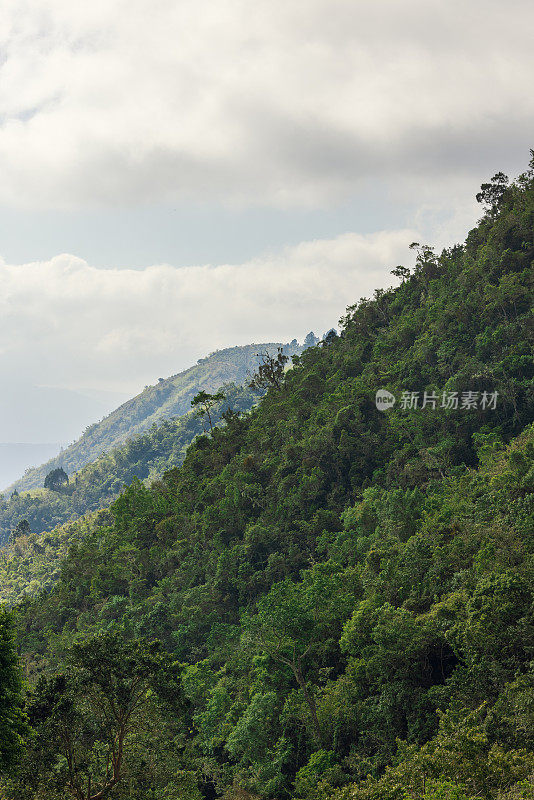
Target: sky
x=181, y=176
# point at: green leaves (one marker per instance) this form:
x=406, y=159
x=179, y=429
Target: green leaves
x=13, y=722
x=85, y=717
x=204, y=403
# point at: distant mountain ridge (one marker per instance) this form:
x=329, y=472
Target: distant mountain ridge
x=170, y=397
x=145, y=457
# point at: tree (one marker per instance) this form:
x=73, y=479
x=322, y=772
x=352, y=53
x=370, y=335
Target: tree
x=83, y=717
x=284, y=629
x=291, y=623
x=22, y=528
x=13, y=723
x=56, y=479
x=270, y=372
x=491, y=194
x=426, y=262
x=330, y=336
x=204, y=402
x=311, y=340
x=401, y=272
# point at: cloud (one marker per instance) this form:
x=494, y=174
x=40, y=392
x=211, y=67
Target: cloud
x=66, y=323
x=275, y=103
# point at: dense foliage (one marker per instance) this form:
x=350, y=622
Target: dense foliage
x=13, y=723
x=325, y=600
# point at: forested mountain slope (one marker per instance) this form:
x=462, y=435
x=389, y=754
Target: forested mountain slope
x=342, y=597
x=169, y=398
x=146, y=457
x=30, y=560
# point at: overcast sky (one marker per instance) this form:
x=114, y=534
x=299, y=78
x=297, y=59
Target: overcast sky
x=185, y=175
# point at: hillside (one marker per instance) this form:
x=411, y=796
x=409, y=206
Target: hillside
x=145, y=457
x=325, y=601
x=170, y=397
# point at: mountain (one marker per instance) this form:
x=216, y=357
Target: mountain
x=326, y=600
x=143, y=457
x=170, y=397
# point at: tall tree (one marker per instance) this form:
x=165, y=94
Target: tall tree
x=13, y=723
x=311, y=340
x=84, y=716
x=270, y=373
x=492, y=193
x=56, y=479
x=204, y=403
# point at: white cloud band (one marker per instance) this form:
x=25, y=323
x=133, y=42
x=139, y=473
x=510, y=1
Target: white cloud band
x=66, y=323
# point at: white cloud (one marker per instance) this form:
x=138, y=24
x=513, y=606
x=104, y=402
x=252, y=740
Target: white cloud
x=66, y=323
x=276, y=102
